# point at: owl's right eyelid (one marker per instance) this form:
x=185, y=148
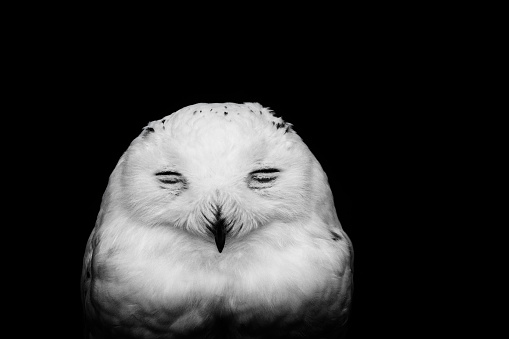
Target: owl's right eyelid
x=265, y=171
x=168, y=173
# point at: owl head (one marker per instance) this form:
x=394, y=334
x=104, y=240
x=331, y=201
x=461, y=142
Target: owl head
x=221, y=171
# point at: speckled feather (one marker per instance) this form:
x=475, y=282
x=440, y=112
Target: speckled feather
x=151, y=267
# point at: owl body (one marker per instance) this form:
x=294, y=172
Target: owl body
x=217, y=226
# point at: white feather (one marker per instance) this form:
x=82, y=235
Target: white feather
x=152, y=269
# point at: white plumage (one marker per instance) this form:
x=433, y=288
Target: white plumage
x=217, y=222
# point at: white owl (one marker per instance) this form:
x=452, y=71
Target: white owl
x=217, y=222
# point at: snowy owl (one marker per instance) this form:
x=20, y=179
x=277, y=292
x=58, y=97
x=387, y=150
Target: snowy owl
x=217, y=222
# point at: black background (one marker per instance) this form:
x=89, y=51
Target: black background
x=345, y=124
x=361, y=97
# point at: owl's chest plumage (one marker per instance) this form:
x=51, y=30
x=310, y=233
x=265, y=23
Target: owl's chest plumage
x=196, y=291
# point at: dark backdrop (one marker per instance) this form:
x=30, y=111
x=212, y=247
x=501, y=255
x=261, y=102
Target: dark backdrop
x=360, y=108
x=343, y=125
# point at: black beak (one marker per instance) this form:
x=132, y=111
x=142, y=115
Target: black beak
x=220, y=234
x=218, y=228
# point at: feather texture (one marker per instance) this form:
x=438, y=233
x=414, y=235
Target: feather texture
x=151, y=267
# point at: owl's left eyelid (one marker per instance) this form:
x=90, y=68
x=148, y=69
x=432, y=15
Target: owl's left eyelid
x=168, y=173
x=265, y=171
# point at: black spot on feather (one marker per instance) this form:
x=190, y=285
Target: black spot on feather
x=336, y=236
x=225, y=113
x=280, y=125
x=147, y=131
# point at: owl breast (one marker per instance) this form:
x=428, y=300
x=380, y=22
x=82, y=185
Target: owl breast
x=194, y=291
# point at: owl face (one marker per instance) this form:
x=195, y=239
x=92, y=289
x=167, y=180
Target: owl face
x=220, y=170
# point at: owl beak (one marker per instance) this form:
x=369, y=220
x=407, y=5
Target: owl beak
x=220, y=234
x=218, y=228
